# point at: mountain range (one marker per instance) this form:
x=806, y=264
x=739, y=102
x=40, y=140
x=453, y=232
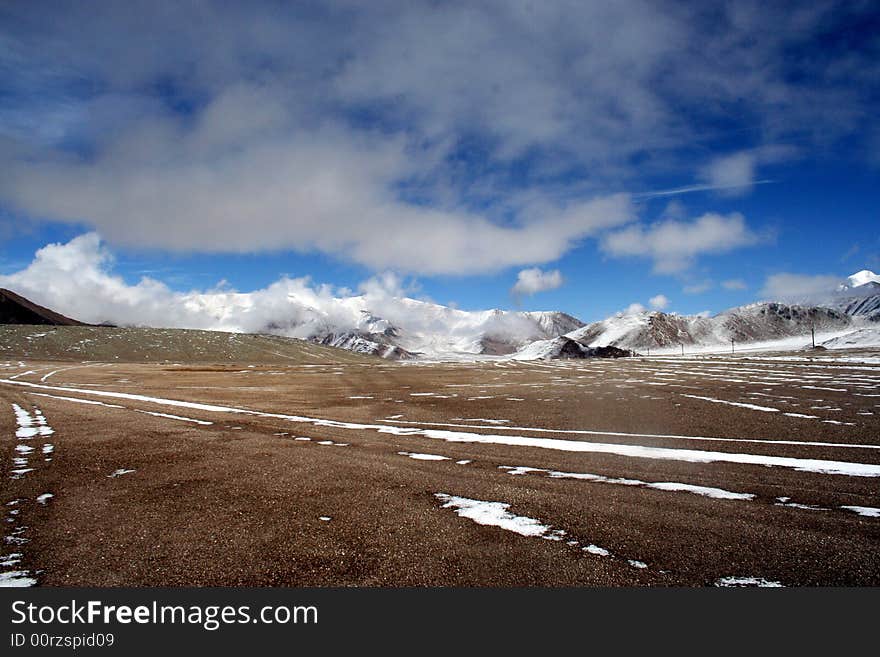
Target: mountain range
x=395, y=327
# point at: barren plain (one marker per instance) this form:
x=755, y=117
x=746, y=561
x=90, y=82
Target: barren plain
x=320, y=468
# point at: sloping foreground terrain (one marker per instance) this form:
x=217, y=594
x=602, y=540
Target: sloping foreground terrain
x=723, y=471
x=111, y=344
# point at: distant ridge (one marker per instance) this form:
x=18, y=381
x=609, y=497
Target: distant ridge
x=15, y=309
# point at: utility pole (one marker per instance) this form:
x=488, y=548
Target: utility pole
x=813, y=334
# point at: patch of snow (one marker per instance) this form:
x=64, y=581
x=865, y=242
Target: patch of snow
x=16, y=579
x=493, y=514
x=747, y=582
x=424, y=457
x=867, y=511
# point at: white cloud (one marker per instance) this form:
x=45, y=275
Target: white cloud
x=674, y=245
x=329, y=192
x=386, y=284
x=387, y=135
x=732, y=174
x=658, y=302
x=77, y=279
x=800, y=287
x=735, y=174
x=734, y=284
x=634, y=309
x=532, y=281
x=698, y=288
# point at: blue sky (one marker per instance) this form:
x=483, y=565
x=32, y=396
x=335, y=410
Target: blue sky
x=455, y=145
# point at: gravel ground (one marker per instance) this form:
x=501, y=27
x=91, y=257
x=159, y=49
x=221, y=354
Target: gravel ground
x=241, y=501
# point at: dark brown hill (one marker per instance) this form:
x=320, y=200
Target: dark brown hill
x=15, y=309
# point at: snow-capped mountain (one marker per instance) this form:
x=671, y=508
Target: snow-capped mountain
x=848, y=315
x=387, y=326
x=642, y=332
x=566, y=347
x=860, y=296
x=862, y=278
x=382, y=321
x=752, y=323
x=855, y=306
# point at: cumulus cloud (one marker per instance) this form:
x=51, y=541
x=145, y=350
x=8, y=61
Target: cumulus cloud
x=77, y=279
x=633, y=309
x=674, y=245
x=734, y=284
x=386, y=284
x=658, y=302
x=532, y=281
x=802, y=288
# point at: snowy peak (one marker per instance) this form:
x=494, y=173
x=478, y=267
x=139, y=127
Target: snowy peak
x=757, y=322
x=863, y=277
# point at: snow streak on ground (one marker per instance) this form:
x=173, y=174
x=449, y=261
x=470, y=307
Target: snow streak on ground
x=589, y=432
x=705, y=491
x=31, y=424
x=820, y=466
x=753, y=407
x=867, y=511
x=175, y=417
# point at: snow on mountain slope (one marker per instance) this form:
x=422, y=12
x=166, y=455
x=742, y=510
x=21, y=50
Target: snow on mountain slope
x=384, y=325
x=646, y=330
x=560, y=347
x=859, y=297
x=766, y=321
x=754, y=323
x=565, y=347
x=864, y=337
x=864, y=306
x=404, y=328
x=863, y=277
